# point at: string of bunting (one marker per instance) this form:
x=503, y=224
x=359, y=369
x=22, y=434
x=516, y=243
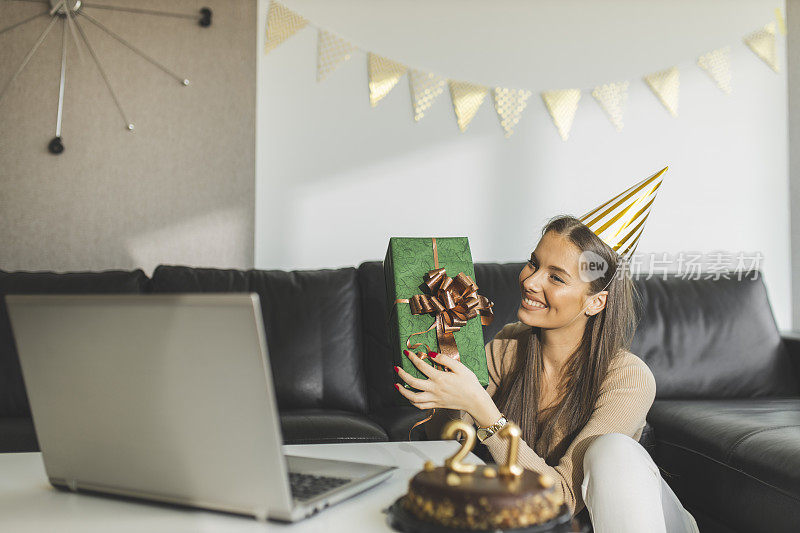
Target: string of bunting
x=509, y=103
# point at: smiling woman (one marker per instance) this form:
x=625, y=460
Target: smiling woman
x=564, y=374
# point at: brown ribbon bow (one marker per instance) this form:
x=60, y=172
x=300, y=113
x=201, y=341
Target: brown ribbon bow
x=453, y=301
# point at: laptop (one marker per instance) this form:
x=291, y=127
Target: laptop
x=167, y=398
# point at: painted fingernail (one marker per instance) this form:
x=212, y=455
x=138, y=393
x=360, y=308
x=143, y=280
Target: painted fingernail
x=397, y=369
x=405, y=352
x=433, y=354
x=397, y=386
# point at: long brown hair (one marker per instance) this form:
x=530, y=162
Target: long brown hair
x=607, y=333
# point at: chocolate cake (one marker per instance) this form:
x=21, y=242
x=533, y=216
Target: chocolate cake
x=482, y=499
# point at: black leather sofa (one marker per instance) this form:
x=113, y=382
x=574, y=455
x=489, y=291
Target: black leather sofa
x=725, y=426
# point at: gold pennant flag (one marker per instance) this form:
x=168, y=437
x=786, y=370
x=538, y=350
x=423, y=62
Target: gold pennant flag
x=332, y=51
x=718, y=65
x=780, y=20
x=383, y=76
x=562, y=105
x=509, y=104
x=425, y=88
x=762, y=43
x=467, y=99
x=665, y=84
x=612, y=98
x=282, y=23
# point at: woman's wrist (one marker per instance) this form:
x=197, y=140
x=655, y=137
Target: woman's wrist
x=484, y=412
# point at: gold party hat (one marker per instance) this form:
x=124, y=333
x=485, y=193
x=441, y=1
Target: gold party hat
x=619, y=222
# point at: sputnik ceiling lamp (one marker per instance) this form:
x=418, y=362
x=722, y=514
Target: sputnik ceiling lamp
x=68, y=12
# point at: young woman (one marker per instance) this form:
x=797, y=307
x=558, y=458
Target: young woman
x=564, y=375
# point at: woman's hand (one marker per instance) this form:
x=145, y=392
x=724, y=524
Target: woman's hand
x=457, y=389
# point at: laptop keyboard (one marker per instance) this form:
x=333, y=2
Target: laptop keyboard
x=307, y=486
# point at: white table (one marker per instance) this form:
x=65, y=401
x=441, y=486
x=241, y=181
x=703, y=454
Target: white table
x=28, y=503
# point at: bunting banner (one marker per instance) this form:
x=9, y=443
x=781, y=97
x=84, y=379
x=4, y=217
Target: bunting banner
x=665, y=84
x=780, y=20
x=717, y=64
x=612, y=97
x=762, y=43
x=425, y=88
x=509, y=104
x=562, y=106
x=383, y=76
x=281, y=24
x=332, y=51
x=467, y=99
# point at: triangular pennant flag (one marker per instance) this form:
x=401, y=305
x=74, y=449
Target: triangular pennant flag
x=383, y=76
x=762, y=43
x=780, y=20
x=718, y=65
x=665, y=84
x=509, y=104
x=425, y=88
x=282, y=23
x=612, y=98
x=562, y=105
x=332, y=51
x=467, y=99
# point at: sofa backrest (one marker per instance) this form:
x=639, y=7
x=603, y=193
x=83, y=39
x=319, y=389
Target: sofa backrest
x=13, y=399
x=313, y=326
x=712, y=338
x=701, y=338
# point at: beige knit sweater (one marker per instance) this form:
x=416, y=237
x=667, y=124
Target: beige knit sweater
x=625, y=398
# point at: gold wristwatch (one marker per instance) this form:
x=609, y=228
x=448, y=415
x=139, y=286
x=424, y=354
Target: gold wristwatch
x=485, y=433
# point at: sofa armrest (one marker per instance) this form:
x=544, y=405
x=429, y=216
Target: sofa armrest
x=791, y=339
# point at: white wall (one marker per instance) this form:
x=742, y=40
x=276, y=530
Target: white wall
x=336, y=178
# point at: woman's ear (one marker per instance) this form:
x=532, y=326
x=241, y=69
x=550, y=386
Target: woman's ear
x=597, y=303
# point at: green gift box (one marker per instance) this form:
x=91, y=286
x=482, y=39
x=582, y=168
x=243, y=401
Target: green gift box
x=433, y=302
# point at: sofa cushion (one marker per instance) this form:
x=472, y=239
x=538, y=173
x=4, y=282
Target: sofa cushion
x=13, y=400
x=313, y=329
x=705, y=338
x=319, y=426
x=378, y=360
x=728, y=457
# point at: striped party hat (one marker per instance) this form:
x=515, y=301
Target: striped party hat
x=619, y=222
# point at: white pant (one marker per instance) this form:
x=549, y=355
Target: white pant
x=625, y=493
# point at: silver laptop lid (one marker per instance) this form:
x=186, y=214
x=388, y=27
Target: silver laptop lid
x=167, y=397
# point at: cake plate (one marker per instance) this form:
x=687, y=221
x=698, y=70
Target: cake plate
x=402, y=520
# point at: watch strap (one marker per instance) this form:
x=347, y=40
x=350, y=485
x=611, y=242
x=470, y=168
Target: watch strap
x=485, y=433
